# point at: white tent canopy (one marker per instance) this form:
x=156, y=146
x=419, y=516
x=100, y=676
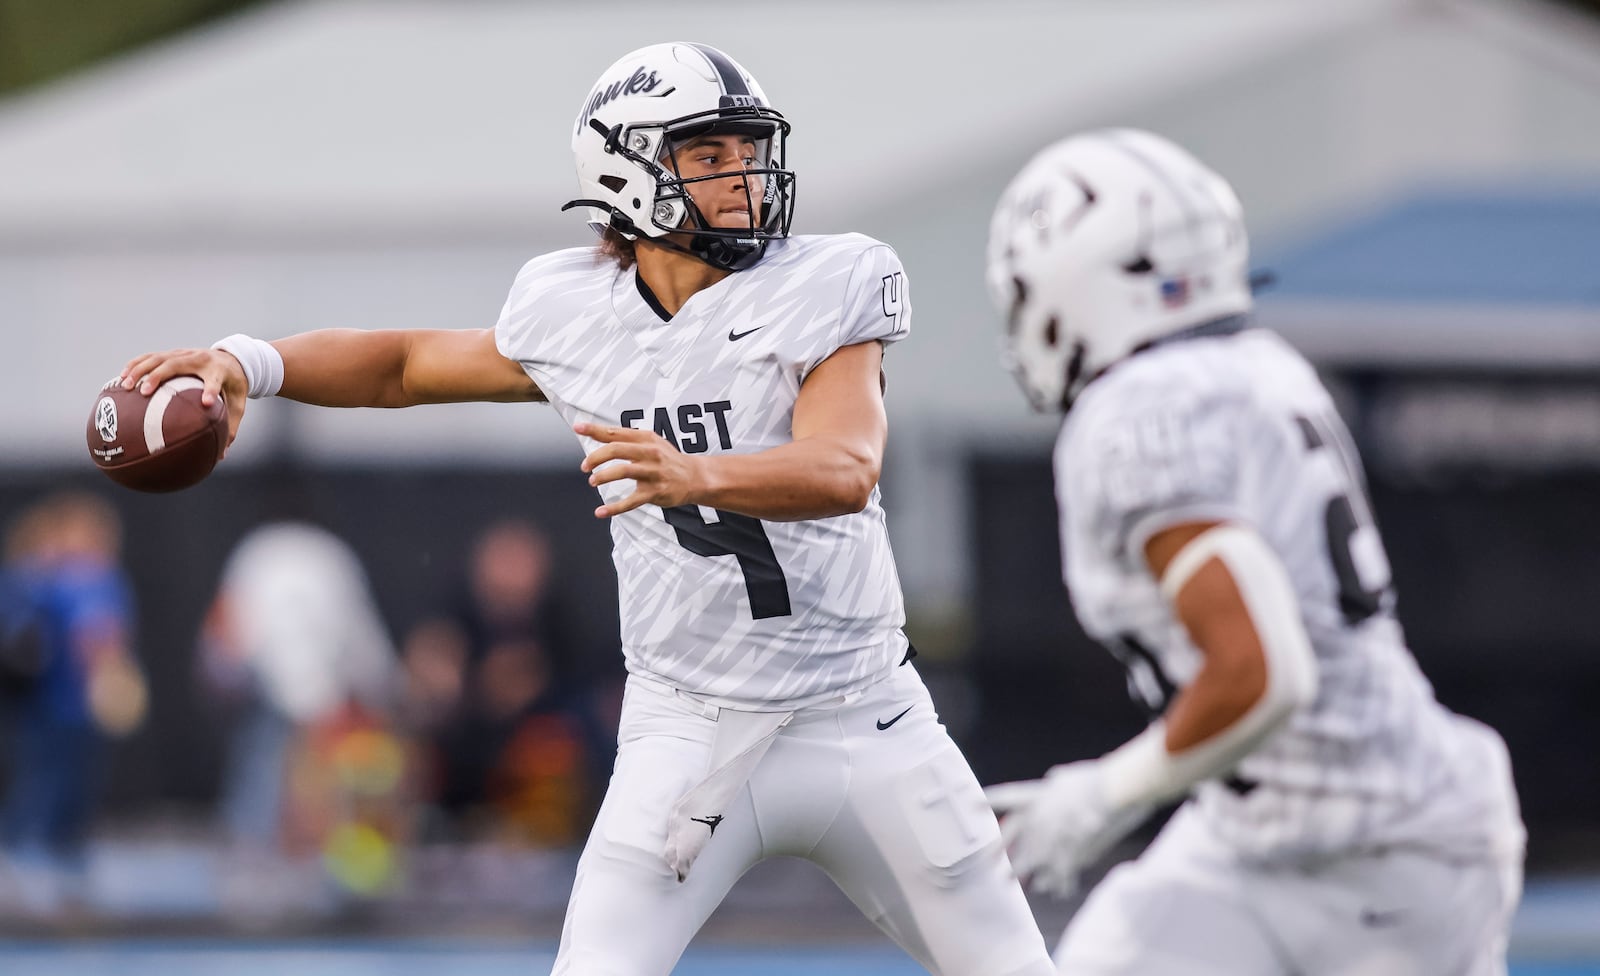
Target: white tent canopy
x=345, y=117
x=379, y=163
x=390, y=163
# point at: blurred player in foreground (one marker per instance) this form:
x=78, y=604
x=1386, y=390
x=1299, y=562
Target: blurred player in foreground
x=1216, y=536
x=723, y=379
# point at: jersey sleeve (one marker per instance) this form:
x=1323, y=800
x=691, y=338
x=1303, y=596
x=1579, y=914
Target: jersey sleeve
x=876, y=305
x=513, y=332
x=1147, y=465
x=521, y=333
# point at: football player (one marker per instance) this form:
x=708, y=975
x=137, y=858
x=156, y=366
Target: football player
x=1215, y=535
x=723, y=378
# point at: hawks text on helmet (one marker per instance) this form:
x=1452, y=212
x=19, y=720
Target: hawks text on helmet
x=640, y=82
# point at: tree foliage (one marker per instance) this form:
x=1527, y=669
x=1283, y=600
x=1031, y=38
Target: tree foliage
x=45, y=39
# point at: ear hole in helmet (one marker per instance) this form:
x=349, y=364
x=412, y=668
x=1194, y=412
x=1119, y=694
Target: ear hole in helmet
x=613, y=183
x=1140, y=265
x=1019, y=295
x=1052, y=332
x=1074, y=373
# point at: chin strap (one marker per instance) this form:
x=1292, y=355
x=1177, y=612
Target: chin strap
x=719, y=252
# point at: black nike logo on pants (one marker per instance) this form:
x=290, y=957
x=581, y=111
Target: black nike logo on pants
x=883, y=725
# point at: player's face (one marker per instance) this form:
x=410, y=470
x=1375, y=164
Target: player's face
x=726, y=202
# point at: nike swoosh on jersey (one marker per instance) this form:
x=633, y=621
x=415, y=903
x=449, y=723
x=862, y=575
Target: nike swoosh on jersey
x=883, y=725
x=736, y=336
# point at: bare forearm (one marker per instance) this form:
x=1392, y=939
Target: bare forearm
x=1215, y=700
x=345, y=368
x=399, y=368
x=816, y=477
x=1217, y=720
x=1233, y=597
x=828, y=469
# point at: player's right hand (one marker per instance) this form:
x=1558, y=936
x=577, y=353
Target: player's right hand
x=218, y=370
x=662, y=474
x=1055, y=828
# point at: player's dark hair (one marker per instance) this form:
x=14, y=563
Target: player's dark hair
x=613, y=245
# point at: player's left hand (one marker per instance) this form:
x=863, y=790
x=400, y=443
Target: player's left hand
x=1056, y=827
x=663, y=475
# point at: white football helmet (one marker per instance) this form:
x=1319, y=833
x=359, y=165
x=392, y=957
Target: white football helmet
x=1103, y=244
x=643, y=105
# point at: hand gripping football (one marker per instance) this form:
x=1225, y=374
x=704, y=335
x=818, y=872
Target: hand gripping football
x=161, y=442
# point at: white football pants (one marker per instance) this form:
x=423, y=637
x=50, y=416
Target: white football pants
x=872, y=790
x=1187, y=906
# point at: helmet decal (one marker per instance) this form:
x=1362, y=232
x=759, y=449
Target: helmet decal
x=735, y=92
x=639, y=82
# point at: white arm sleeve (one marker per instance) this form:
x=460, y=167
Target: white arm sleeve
x=1142, y=771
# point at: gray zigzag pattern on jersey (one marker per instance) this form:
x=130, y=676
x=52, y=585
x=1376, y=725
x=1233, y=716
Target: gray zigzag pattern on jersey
x=1375, y=759
x=581, y=330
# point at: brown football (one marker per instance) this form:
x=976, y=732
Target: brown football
x=161, y=442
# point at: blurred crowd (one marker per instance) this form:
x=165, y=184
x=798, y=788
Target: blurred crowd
x=352, y=758
x=514, y=735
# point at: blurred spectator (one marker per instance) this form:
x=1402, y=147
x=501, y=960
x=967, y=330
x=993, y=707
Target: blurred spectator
x=75, y=683
x=493, y=687
x=294, y=643
x=21, y=637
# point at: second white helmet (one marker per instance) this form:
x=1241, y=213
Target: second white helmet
x=652, y=99
x=1104, y=243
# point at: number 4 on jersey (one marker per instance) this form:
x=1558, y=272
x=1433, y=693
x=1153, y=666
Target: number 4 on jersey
x=893, y=304
x=744, y=538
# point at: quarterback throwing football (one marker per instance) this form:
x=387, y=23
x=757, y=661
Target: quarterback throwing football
x=1215, y=535
x=723, y=378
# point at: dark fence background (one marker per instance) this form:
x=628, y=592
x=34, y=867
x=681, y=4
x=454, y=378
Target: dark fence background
x=1487, y=488
x=412, y=528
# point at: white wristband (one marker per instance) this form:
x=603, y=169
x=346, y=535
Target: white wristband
x=1141, y=772
x=263, y=365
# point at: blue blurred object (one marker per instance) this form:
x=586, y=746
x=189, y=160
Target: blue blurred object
x=57, y=750
x=1468, y=247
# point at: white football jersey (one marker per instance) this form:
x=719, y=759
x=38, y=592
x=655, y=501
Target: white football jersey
x=723, y=605
x=1237, y=426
